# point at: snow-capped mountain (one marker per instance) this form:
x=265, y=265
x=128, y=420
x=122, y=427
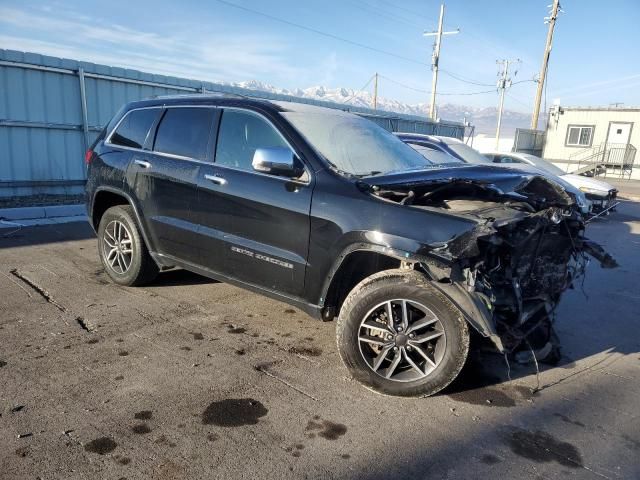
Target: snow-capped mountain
x=484, y=119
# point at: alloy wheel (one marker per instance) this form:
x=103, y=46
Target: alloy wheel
x=117, y=245
x=401, y=340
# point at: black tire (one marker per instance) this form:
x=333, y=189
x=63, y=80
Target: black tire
x=142, y=268
x=410, y=285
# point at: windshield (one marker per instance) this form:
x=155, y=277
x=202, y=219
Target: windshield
x=468, y=154
x=433, y=155
x=354, y=144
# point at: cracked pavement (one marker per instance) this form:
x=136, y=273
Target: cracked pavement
x=190, y=378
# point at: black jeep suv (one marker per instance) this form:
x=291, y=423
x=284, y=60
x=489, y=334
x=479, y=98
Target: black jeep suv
x=327, y=211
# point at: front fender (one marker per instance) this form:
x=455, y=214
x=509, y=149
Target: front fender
x=474, y=310
x=400, y=248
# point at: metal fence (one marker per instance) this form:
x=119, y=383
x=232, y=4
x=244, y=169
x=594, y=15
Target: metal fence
x=51, y=109
x=529, y=141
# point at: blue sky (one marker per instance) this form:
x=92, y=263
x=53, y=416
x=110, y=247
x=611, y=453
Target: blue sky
x=594, y=60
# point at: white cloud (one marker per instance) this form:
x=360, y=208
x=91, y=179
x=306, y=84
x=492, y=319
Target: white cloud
x=605, y=85
x=206, y=55
x=329, y=66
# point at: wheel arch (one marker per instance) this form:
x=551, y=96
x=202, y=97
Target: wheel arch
x=356, y=263
x=107, y=197
x=343, y=278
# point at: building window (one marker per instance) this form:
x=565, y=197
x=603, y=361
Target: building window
x=579, y=136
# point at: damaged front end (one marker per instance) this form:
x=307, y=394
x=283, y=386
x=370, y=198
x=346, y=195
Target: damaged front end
x=507, y=273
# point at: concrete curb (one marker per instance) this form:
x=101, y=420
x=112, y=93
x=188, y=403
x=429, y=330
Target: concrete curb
x=47, y=215
x=47, y=212
x=36, y=222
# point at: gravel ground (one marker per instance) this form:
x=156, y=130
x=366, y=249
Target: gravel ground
x=190, y=378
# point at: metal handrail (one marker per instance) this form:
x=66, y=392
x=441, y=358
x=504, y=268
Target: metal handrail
x=598, y=159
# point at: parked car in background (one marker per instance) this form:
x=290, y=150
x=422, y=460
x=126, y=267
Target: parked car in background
x=447, y=150
x=602, y=195
x=327, y=211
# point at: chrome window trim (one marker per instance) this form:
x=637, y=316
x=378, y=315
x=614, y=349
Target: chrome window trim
x=277, y=177
x=173, y=155
x=108, y=143
x=270, y=123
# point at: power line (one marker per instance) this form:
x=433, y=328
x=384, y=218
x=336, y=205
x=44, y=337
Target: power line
x=404, y=85
x=398, y=7
x=525, y=81
x=360, y=90
x=462, y=79
x=516, y=99
x=470, y=93
x=320, y=32
x=408, y=87
x=367, y=7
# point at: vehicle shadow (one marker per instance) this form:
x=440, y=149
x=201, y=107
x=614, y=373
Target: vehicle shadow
x=179, y=277
x=552, y=438
x=12, y=237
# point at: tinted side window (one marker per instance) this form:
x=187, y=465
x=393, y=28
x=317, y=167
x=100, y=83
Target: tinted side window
x=240, y=135
x=133, y=130
x=502, y=159
x=185, y=131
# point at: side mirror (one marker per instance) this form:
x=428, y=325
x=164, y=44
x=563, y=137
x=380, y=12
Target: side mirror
x=276, y=161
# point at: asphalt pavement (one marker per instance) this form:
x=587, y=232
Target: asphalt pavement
x=190, y=378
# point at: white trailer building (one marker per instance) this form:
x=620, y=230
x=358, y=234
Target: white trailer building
x=594, y=140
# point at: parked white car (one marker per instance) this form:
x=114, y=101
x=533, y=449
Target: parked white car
x=445, y=150
x=602, y=195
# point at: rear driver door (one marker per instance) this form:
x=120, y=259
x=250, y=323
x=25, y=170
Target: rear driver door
x=166, y=179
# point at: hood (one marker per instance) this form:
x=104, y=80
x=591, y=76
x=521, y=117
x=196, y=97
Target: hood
x=579, y=181
x=525, y=167
x=492, y=180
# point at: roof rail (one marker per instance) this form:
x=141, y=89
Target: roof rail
x=202, y=93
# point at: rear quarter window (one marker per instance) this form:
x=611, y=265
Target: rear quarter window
x=134, y=128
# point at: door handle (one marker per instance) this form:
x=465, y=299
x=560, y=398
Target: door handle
x=217, y=179
x=142, y=163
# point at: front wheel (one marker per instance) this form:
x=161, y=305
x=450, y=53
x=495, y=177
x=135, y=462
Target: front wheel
x=399, y=335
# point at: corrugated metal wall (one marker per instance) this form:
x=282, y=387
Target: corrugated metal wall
x=46, y=121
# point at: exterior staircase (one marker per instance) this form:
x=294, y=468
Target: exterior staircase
x=606, y=159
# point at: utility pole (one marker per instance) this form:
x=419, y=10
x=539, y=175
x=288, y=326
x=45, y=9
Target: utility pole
x=375, y=92
x=551, y=20
x=435, y=59
x=504, y=82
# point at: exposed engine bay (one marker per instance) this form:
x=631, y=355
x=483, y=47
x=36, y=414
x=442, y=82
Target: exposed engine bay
x=508, y=272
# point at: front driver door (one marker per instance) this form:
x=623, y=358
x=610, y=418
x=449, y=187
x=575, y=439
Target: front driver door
x=261, y=221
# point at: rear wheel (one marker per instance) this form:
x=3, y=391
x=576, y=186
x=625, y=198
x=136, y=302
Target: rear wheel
x=122, y=250
x=399, y=335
